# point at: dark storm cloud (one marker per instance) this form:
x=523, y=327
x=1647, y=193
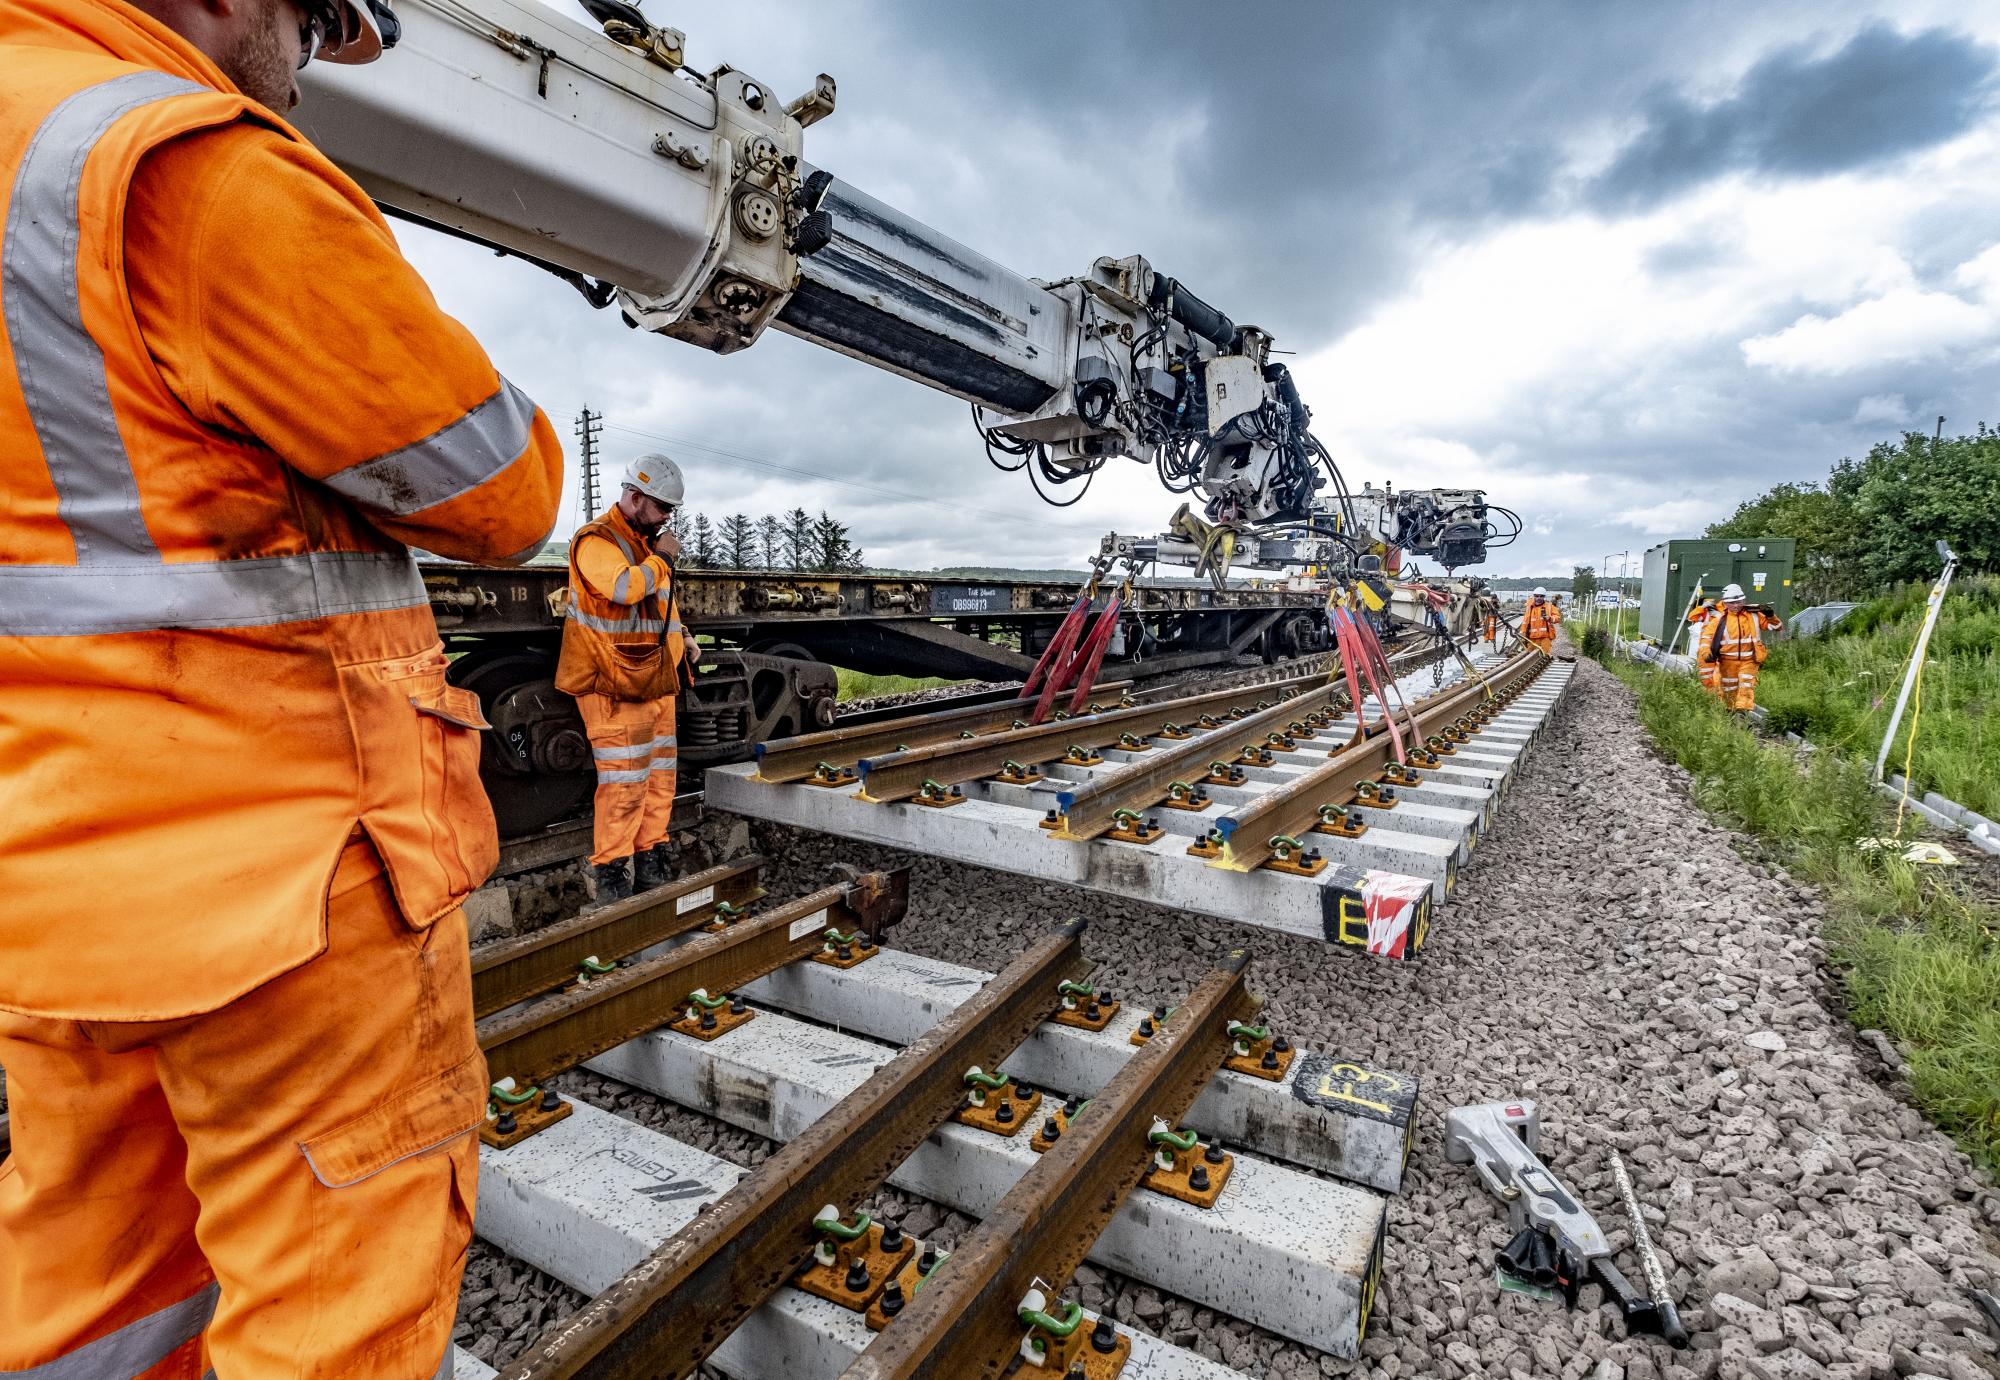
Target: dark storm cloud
x=1880, y=95
x=1331, y=146
x=1299, y=165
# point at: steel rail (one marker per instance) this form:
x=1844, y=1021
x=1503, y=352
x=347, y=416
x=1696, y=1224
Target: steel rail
x=541, y=1039
x=797, y=758
x=1091, y=808
x=964, y=1321
x=900, y=775
x=671, y=1310
x=1290, y=811
x=512, y=970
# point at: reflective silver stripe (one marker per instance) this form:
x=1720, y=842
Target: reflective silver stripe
x=616, y=625
x=665, y=741
x=674, y=625
x=60, y=366
x=133, y=1348
x=665, y=764
x=636, y=775
x=621, y=754
x=624, y=547
x=452, y=460
x=621, y=588
x=84, y=600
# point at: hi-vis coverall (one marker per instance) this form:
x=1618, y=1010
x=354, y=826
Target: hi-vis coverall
x=621, y=658
x=1702, y=618
x=241, y=803
x=1539, y=624
x=1731, y=642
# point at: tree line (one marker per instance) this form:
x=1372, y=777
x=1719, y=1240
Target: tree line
x=1876, y=521
x=791, y=541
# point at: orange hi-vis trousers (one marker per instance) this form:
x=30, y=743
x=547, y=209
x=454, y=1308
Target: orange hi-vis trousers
x=632, y=746
x=282, y=1187
x=1545, y=645
x=1736, y=682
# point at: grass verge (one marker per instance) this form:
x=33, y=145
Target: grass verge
x=1837, y=689
x=1918, y=954
x=857, y=685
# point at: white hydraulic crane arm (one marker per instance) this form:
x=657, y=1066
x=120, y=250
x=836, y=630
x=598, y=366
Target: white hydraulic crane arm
x=689, y=201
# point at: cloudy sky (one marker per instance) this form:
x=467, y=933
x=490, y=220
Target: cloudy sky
x=1621, y=264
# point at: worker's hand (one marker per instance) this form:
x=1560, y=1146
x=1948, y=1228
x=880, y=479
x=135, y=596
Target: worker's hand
x=667, y=544
x=692, y=650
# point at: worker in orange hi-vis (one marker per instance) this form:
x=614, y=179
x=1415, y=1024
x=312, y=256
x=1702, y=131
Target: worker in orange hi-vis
x=1540, y=621
x=1733, y=641
x=623, y=651
x=242, y=801
x=1701, y=620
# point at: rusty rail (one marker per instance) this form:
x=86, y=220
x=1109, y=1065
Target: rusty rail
x=512, y=970
x=1251, y=835
x=964, y=1322
x=543, y=1038
x=676, y=1306
x=1091, y=808
x=796, y=758
x=900, y=775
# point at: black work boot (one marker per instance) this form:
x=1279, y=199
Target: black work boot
x=649, y=867
x=614, y=883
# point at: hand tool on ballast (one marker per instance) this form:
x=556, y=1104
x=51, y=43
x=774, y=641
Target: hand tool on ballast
x=1557, y=1244
x=1649, y=1260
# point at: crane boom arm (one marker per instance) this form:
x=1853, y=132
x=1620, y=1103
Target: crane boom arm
x=689, y=200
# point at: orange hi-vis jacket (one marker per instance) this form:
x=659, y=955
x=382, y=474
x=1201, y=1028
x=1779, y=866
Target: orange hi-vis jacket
x=226, y=402
x=622, y=637
x=1539, y=622
x=1735, y=636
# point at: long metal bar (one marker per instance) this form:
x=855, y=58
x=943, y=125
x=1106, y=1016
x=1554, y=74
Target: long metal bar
x=675, y=1307
x=963, y=1323
x=899, y=775
x=515, y=969
x=1091, y=809
x=542, y=1039
x=794, y=759
x=1288, y=811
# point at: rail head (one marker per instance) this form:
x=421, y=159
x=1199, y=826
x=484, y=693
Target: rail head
x=965, y=1322
x=675, y=1307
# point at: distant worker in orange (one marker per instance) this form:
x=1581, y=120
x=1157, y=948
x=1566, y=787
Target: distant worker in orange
x=623, y=649
x=1701, y=620
x=1733, y=642
x=1539, y=622
x=242, y=800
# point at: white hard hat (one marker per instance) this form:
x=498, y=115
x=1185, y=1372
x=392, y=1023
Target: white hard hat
x=656, y=477
x=1731, y=592
x=1540, y=592
x=352, y=32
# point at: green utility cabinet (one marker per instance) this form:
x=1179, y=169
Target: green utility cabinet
x=1762, y=565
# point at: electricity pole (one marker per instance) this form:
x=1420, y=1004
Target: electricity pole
x=588, y=425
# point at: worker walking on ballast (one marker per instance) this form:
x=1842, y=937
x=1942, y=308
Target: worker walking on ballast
x=1732, y=642
x=623, y=652
x=1540, y=621
x=243, y=801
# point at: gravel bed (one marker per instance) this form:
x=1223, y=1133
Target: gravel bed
x=1615, y=956
x=1609, y=953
